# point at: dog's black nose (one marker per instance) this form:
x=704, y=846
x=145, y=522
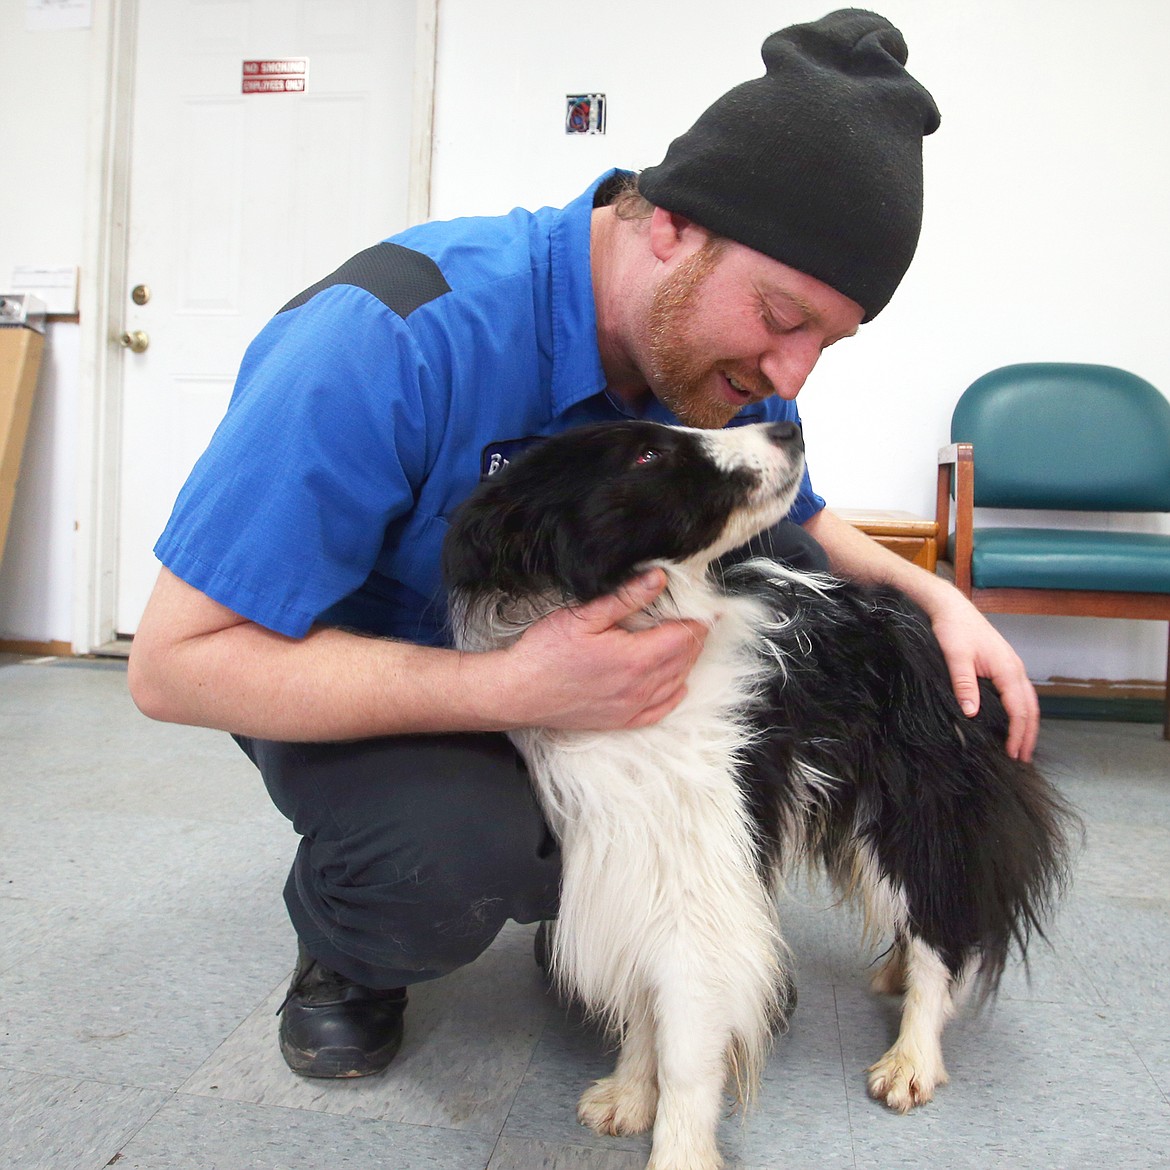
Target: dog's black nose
x=785, y=434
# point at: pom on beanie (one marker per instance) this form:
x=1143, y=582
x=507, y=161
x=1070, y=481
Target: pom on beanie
x=818, y=163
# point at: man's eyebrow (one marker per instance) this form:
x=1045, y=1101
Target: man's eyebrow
x=804, y=307
x=799, y=301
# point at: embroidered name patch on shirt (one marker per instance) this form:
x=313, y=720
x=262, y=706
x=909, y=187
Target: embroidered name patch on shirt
x=500, y=452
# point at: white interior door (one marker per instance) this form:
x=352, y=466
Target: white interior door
x=238, y=200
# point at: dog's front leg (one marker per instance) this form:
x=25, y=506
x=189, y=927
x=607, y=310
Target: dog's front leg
x=693, y=1040
x=625, y=1102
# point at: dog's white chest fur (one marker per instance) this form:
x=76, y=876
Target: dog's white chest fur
x=661, y=896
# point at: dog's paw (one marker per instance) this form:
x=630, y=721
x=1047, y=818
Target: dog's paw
x=615, y=1108
x=901, y=1083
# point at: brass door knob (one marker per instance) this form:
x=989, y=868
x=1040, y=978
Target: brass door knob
x=136, y=342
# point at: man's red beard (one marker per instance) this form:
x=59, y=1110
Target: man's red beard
x=681, y=375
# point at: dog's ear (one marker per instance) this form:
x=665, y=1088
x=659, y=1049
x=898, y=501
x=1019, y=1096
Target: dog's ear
x=544, y=525
x=484, y=531
x=520, y=546
x=501, y=540
x=588, y=563
x=571, y=566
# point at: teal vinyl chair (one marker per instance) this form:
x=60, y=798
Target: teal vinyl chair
x=1070, y=438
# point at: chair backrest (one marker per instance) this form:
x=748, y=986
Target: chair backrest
x=1059, y=435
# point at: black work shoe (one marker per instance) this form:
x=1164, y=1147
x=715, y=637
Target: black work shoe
x=333, y=1027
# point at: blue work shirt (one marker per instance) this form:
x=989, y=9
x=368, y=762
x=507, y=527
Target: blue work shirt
x=372, y=404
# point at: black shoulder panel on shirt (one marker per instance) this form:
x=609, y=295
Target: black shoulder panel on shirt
x=403, y=280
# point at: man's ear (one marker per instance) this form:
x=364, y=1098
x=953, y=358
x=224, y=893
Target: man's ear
x=671, y=233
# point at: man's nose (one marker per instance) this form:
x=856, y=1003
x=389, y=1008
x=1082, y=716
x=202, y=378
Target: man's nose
x=789, y=363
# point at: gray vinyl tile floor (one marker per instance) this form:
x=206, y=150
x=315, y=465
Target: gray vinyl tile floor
x=144, y=950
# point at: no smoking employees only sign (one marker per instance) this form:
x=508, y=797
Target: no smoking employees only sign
x=285, y=75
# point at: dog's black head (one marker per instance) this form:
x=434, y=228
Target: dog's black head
x=580, y=512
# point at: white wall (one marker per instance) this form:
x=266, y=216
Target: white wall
x=44, y=81
x=44, y=88
x=1046, y=235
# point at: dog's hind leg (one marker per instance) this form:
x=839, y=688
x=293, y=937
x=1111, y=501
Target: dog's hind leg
x=890, y=977
x=909, y=1072
x=625, y=1102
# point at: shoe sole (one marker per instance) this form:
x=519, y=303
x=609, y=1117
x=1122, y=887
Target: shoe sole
x=339, y=1063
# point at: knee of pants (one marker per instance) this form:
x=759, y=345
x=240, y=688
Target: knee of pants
x=421, y=880
x=418, y=911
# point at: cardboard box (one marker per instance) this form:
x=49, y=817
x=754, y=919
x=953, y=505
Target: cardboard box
x=20, y=362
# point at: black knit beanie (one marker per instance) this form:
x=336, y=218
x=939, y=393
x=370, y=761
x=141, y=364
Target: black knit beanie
x=818, y=163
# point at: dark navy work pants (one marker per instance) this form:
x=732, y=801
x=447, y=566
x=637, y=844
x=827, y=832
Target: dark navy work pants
x=416, y=849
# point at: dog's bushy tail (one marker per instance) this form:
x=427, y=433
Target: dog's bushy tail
x=982, y=844
x=1017, y=838
x=961, y=845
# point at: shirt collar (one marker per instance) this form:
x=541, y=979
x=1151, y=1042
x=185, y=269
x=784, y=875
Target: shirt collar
x=576, y=360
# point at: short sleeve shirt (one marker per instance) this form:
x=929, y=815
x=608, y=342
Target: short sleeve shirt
x=372, y=404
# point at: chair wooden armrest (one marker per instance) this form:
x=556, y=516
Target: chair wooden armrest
x=959, y=456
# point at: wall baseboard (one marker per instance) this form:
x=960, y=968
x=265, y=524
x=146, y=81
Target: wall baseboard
x=1100, y=699
x=37, y=649
x=1102, y=710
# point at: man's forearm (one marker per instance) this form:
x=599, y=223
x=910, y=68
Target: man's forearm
x=196, y=662
x=330, y=685
x=972, y=647
x=853, y=554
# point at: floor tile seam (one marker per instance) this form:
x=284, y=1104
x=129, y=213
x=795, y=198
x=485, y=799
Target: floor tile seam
x=256, y=1006
x=519, y=1085
x=1163, y=1093
x=562, y=1144
x=1102, y=998
x=496, y=1143
x=845, y=1080
x=127, y=1138
x=1057, y=947
x=74, y=1078
x=124, y=1138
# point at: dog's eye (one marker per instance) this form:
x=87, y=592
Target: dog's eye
x=648, y=455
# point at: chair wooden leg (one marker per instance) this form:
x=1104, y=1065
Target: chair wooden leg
x=1166, y=724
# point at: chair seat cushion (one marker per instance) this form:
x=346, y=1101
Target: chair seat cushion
x=1051, y=558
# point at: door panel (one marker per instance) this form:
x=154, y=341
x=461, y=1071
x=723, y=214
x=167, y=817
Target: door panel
x=238, y=201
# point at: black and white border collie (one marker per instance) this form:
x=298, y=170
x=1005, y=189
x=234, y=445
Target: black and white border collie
x=819, y=725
